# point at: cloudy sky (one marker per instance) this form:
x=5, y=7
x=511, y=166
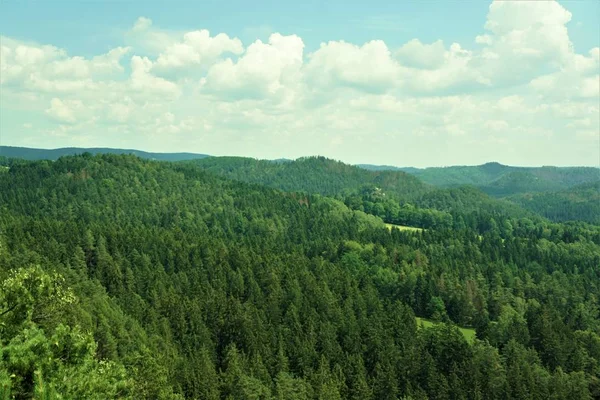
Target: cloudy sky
x=423, y=83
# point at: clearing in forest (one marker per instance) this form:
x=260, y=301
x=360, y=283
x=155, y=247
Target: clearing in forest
x=403, y=227
x=468, y=333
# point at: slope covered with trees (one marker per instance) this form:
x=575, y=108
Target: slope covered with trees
x=140, y=279
x=395, y=196
x=580, y=203
x=560, y=194
x=317, y=175
x=501, y=180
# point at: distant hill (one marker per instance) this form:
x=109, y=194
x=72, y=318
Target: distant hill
x=372, y=167
x=581, y=202
x=53, y=154
x=317, y=175
x=358, y=186
x=503, y=180
x=520, y=181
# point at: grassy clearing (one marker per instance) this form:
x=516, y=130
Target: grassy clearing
x=403, y=228
x=468, y=333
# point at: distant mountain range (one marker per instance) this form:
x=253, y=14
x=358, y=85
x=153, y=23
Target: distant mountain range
x=493, y=178
x=581, y=202
x=53, y=154
x=558, y=193
x=311, y=174
x=502, y=180
x=320, y=175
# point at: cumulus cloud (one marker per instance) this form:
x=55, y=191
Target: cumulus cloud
x=524, y=37
x=369, y=67
x=142, y=80
x=141, y=24
x=50, y=69
x=64, y=111
x=418, y=55
x=454, y=73
x=265, y=69
x=145, y=38
x=197, y=48
x=18, y=59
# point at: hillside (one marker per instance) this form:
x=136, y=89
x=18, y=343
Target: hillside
x=579, y=203
x=53, y=154
x=134, y=279
x=317, y=175
x=395, y=196
x=502, y=180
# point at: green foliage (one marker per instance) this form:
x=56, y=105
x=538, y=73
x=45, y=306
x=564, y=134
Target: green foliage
x=577, y=203
x=317, y=175
x=40, y=356
x=503, y=180
x=166, y=281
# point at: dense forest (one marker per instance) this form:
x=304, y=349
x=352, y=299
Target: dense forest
x=559, y=194
x=312, y=174
x=580, y=202
x=502, y=180
x=395, y=196
x=130, y=278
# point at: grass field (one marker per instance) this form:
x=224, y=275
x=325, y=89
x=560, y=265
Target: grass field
x=403, y=228
x=468, y=333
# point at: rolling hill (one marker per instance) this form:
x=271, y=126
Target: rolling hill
x=53, y=154
x=502, y=180
x=378, y=192
x=520, y=191
x=579, y=203
x=317, y=175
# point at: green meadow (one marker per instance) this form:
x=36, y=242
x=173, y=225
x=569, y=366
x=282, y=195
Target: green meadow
x=403, y=228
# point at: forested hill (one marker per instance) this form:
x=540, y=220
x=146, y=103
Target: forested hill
x=581, y=202
x=134, y=279
x=395, y=196
x=53, y=154
x=317, y=175
x=503, y=180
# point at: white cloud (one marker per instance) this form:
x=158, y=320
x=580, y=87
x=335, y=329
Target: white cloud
x=484, y=39
x=418, y=55
x=49, y=69
x=64, y=111
x=454, y=73
x=525, y=37
x=497, y=125
x=147, y=39
x=369, y=67
x=142, y=24
x=197, y=48
x=142, y=79
x=109, y=63
x=265, y=69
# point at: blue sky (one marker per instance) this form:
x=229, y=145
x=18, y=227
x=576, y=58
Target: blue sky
x=84, y=26
x=403, y=83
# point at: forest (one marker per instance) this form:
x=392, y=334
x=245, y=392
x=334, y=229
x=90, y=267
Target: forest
x=229, y=278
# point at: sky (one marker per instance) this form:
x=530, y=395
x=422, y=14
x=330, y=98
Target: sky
x=415, y=83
